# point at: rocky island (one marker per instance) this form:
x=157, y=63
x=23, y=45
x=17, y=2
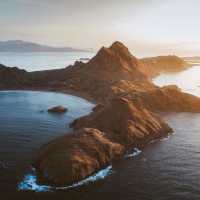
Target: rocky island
x=164, y=64
x=57, y=109
x=126, y=115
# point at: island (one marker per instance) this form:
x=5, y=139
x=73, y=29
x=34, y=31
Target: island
x=127, y=113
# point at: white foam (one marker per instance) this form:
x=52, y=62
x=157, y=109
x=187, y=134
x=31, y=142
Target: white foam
x=153, y=141
x=165, y=138
x=134, y=153
x=30, y=181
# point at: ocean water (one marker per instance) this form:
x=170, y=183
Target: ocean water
x=166, y=169
x=42, y=60
x=25, y=125
x=188, y=80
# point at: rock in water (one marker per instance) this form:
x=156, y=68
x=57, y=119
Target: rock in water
x=58, y=109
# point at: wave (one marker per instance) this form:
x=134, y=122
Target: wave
x=134, y=153
x=29, y=181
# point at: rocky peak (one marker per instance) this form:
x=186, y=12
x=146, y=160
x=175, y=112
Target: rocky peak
x=116, y=50
x=118, y=61
x=119, y=47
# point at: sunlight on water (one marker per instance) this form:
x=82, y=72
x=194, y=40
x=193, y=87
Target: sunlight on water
x=187, y=80
x=30, y=181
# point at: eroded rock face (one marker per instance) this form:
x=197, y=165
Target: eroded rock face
x=73, y=157
x=125, y=123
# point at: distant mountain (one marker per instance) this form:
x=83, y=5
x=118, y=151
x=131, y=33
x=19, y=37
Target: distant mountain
x=194, y=60
x=23, y=46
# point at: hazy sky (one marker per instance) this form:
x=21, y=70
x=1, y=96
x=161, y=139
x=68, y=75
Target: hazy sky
x=145, y=26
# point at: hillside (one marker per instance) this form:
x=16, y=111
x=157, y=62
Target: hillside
x=11, y=78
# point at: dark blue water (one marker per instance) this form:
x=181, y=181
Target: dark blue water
x=25, y=125
x=167, y=169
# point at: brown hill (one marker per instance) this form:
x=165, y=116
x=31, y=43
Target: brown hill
x=71, y=158
x=12, y=77
x=122, y=116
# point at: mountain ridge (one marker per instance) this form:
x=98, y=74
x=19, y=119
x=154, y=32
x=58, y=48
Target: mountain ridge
x=26, y=46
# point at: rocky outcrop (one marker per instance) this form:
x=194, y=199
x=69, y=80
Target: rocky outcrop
x=163, y=64
x=124, y=123
x=113, y=128
x=73, y=157
x=58, y=109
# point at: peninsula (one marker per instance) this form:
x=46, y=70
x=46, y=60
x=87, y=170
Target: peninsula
x=126, y=114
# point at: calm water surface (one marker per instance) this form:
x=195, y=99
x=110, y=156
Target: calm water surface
x=25, y=125
x=42, y=60
x=188, y=80
x=165, y=170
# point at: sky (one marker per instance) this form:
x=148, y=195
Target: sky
x=147, y=27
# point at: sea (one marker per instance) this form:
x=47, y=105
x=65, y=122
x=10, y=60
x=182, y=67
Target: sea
x=43, y=60
x=166, y=169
